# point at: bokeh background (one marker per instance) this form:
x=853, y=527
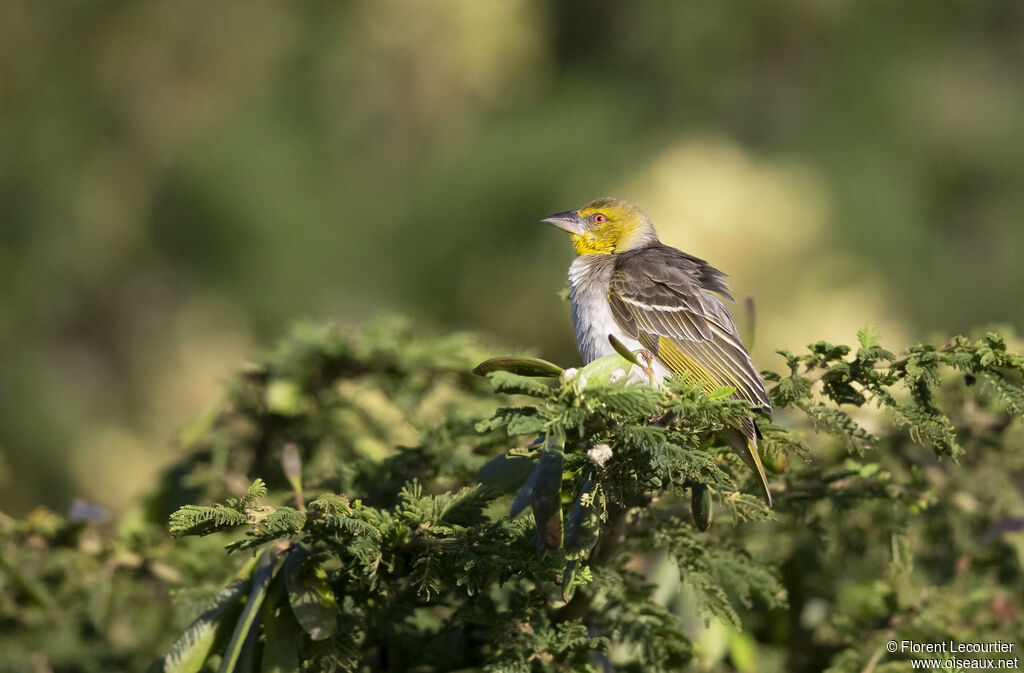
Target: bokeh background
x=180, y=181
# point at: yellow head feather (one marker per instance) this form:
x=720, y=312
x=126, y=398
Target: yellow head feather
x=613, y=225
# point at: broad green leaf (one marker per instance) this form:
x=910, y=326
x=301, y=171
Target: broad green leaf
x=521, y=366
x=207, y=633
x=311, y=596
x=280, y=651
x=266, y=568
x=600, y=370
x=505, y=473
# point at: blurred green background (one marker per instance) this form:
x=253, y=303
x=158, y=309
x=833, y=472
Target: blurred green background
x=180, y=181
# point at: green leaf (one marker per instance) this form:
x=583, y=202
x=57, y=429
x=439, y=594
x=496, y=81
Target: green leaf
x=701, y=506
x=743, y=652
x=624, y=351
x=547, y=505
x=207, y=633
x=722, y=393
x=196, y=520
x=280, y=650
x=505, y=473
x=514, y=384
x=524, y=425
x=525, y=494
x=569, y=580
x=869, y=470
x=33, y=590
x=868, y=337
x=838, y=424
x=574, y=575
x=266, y=568
x=281, y=523
x=284, y=398
x=310, y=596
x=827, y=352
x=600, y=370
x=520, y=366
x=584, y=524
x=257, y=489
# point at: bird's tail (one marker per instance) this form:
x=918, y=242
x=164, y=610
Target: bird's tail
x=744, y=443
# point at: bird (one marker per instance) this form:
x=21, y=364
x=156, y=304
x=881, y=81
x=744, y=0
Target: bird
x=627, y=284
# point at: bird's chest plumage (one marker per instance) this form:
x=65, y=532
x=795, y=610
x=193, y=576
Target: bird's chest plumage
x=592, y=318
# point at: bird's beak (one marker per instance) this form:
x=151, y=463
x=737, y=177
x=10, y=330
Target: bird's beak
x=570, y=221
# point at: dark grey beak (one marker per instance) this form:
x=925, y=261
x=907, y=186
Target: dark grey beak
x=570, y=221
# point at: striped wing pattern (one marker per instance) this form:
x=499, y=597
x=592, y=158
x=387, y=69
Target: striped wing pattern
x=661, y=297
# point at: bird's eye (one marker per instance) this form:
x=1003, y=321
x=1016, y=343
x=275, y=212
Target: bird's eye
x=600, y=218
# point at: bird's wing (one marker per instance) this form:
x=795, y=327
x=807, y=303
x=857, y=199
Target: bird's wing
x=660, y=297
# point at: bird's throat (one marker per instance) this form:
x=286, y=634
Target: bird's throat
x=588, y=244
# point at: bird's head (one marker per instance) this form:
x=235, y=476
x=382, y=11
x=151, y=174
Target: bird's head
x=606, y=226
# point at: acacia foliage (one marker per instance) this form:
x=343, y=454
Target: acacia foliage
x=388, y=510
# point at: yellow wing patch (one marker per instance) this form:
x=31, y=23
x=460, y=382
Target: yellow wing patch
x=677, y=361
x=709, y=373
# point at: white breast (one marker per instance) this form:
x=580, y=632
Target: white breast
x=592, y=318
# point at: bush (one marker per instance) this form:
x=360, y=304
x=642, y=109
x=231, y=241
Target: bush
x=371, y=499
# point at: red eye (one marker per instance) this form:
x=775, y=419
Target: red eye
x=600, y=219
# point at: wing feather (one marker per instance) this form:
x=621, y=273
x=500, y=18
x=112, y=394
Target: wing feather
x=662, y=297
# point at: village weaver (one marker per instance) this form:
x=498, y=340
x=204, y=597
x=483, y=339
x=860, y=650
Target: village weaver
x=658, y=299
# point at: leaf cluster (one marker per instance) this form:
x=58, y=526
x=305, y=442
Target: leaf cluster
x=391, y=510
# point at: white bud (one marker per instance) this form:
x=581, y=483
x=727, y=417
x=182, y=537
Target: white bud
x=569, y=374
x=600, y=454
x=616, y=375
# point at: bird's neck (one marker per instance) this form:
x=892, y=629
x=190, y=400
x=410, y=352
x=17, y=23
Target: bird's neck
x=590, y=244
